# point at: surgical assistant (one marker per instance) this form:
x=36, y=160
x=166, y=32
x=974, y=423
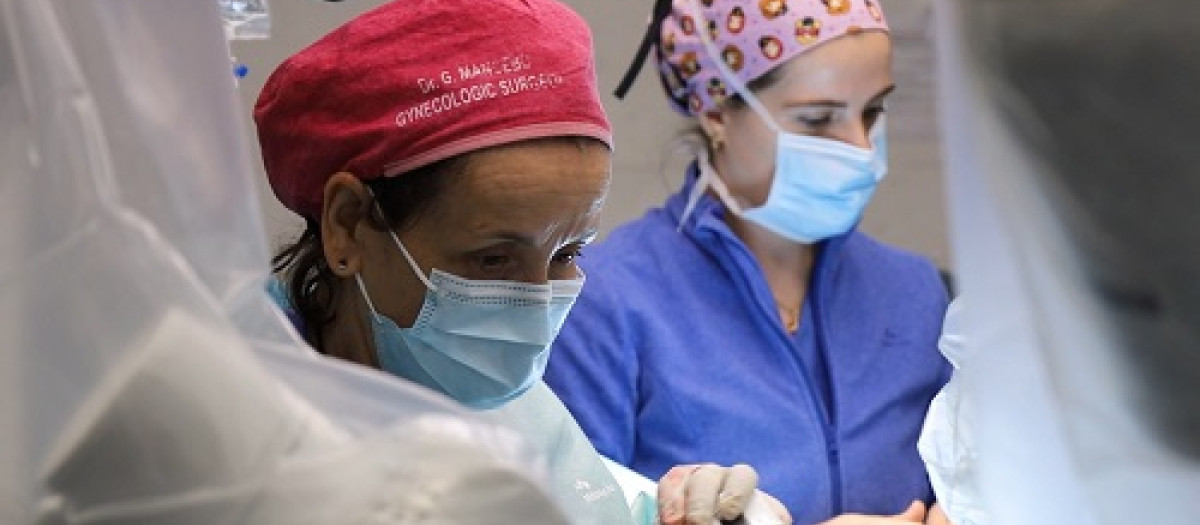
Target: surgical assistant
x=747, y=320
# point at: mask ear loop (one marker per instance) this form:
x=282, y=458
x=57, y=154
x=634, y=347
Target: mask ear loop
x=362, y=288
x=702, y=183
x=412, y=263
x=708, y=179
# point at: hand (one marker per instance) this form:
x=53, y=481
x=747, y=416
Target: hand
x=914, y=514
x=702, y=494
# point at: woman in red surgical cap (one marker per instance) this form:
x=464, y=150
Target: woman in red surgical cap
x=746, y=320
x=450, y=158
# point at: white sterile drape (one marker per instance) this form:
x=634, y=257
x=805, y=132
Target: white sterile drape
x=1072, y=168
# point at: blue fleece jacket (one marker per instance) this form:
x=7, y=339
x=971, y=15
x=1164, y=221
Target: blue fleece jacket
x=675, y=354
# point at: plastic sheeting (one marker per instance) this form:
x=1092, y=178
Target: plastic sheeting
x=1072, y=168
x=145, y=376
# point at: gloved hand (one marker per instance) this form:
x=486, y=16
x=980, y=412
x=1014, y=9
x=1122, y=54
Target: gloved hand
x=914, y=514
x=705, y=494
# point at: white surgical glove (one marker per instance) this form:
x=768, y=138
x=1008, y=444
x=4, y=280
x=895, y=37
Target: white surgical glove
x=706, y=494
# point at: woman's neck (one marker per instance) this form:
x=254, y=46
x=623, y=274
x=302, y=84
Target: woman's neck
x=773, y=252
x=786, y=265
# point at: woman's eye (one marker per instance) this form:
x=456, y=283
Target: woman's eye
x=568, y=256
x=815, y=121
x=494, y=262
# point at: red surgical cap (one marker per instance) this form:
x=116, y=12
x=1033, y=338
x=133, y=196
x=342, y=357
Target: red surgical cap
x=417, y=81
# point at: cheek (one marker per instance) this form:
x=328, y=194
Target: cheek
x=751, y=156
x=395, y=289
x=566, y=272
x=404, y=306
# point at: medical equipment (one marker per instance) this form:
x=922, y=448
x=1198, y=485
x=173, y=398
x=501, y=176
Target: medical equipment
x=246, y=19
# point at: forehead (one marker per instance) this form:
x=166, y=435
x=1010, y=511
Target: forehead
x=526, y=173
x=534, y=188
x=841, y=68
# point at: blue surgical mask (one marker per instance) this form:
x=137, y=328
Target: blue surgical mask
x=820, y=187
x=483, y=343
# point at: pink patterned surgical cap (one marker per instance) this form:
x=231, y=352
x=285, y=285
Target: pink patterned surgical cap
x=752, y=36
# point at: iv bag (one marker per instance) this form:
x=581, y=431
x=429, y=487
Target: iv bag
x=246, y=19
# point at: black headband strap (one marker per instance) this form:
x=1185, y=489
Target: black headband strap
x=662, y=8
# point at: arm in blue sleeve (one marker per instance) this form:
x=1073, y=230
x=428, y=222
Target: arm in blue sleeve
x=593, y=368
x=942, y=301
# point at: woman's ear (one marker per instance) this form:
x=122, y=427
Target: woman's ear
x=347, y=206
x=714, y=125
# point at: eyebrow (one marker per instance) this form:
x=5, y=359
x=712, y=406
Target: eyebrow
x=513, y=237
x=829, y=103
x=528, y=240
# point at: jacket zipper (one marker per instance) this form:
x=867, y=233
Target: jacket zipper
x=825, y=414
x=828, y=414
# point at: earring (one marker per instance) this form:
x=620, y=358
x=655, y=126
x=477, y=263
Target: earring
x=341, y=265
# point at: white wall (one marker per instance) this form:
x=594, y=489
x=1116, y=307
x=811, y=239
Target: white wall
x=908, y=210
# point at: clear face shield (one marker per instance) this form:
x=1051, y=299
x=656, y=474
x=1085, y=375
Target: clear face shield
x=1072, y=170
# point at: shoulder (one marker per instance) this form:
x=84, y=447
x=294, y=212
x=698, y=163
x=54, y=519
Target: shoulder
x=862, y=246
x=642, y=234
x=893, y=274
x=890, y=263
x=646, y=245
x=632, y=270
x=900, y=292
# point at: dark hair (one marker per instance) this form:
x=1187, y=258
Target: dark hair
x=311, y=284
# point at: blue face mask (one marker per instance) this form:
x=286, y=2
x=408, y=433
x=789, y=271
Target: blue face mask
x=820, y=188
x=482, y=343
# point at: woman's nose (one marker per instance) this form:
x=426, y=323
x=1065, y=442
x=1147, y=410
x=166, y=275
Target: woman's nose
x=856, y=135
x=535, y=275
